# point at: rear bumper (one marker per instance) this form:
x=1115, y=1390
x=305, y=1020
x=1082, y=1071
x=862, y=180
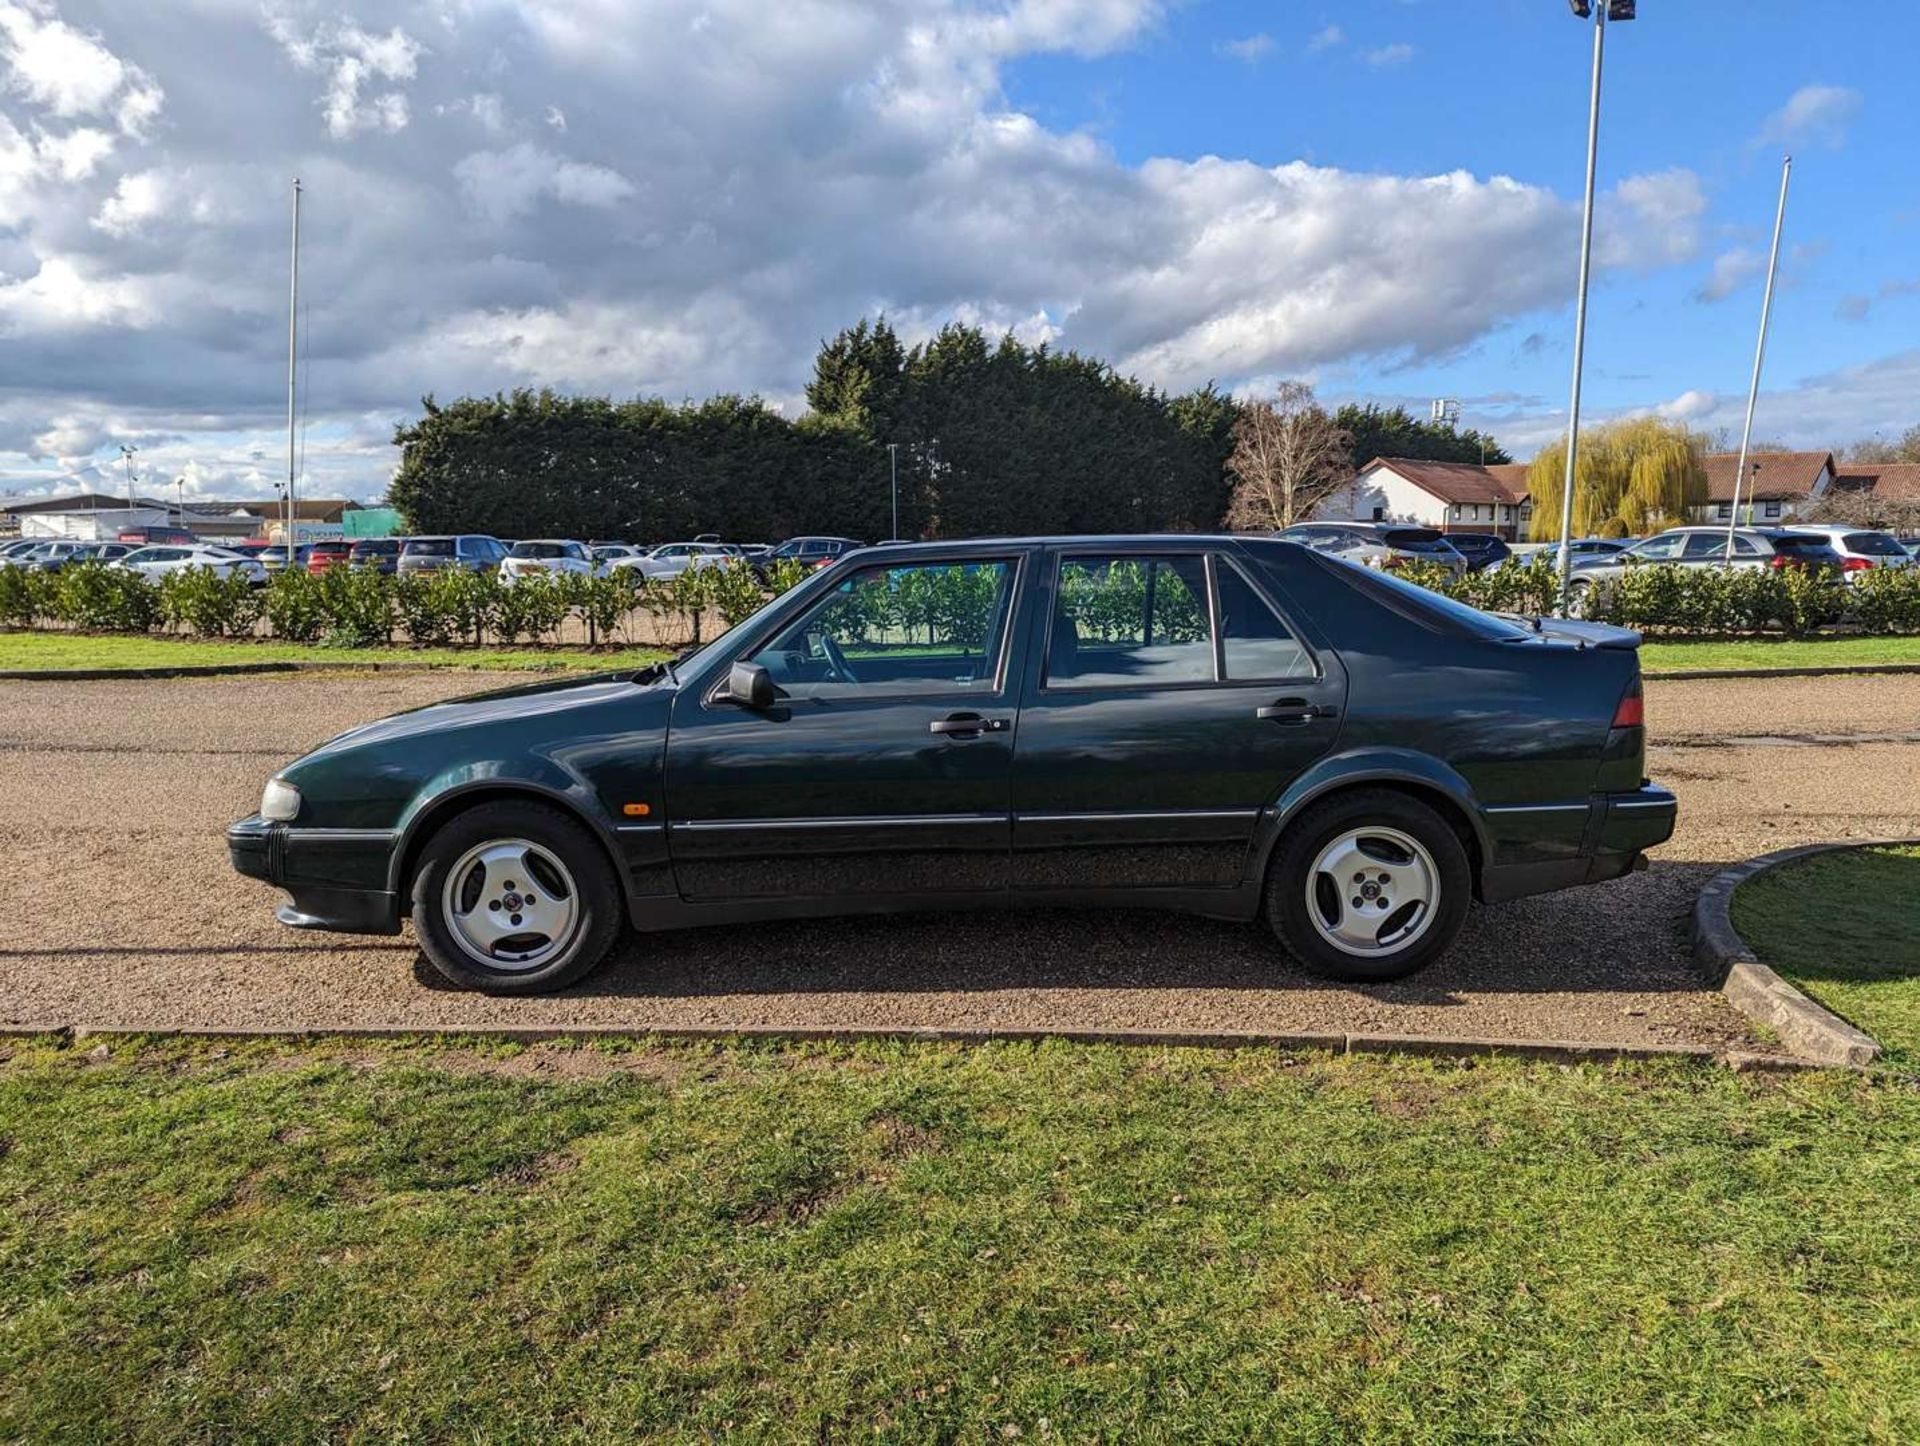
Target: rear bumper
x=335, y=879
x=1615, y=831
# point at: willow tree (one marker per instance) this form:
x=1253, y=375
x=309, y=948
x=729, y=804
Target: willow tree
x=1631, y=477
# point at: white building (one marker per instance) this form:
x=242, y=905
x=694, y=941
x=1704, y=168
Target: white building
x=1450, y=496
x=1777, y=485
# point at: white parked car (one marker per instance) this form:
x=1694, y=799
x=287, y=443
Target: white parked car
x=670, y=559
x=1861, y=549
x=545, y=556
x=154, y=563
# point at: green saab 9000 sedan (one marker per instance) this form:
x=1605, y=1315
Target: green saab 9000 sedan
x=1238, y=727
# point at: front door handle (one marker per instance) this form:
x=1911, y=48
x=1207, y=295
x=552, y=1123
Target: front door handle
x=967, y=724
x=1293, y=711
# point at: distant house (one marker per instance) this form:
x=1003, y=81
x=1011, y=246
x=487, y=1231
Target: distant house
x=1450, y=496
x=1777, y=485
x=93, y=516
x=1893, y=481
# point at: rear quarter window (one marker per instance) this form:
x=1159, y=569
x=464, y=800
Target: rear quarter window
x=1420, y=605
x=1872, y=544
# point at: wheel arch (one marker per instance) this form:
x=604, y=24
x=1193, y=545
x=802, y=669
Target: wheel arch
x=427, y=819
x=1418, y=776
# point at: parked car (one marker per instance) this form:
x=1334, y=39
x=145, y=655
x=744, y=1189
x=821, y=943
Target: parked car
x=1753, y=547
x=52, y=556
x=607, y=553
x=154, y=563
x=754, y=552
x=670, y=559
x=273, y=556
x=1577, y=548
x=375, y=554
x=18, y=547
x=1378, y=544
x=1481, y=549
x=812, y=553
x=323, y=556
x=1861, y=549
x=473, y=551
x=530, y=559
x=1239, y=727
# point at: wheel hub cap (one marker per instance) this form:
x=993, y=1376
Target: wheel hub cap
x=1372, y=891
x=510, y=904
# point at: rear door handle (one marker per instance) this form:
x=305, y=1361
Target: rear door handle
x=1293, y=712
x=964, y=724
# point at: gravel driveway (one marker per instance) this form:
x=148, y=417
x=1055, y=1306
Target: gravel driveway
x=122, y=909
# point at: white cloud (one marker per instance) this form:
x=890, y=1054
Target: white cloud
x=1326, y=38
x=501, y=185
x=1397, y=54
x=1813, y=114
x=1654, y=219
x=1251, y=48
x=353, y=60
x=556, y=118
x=70, y=72
x=1731, y=271
x=1689, y=405
x=61, y=296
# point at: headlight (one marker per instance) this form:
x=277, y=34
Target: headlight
x=280, y=801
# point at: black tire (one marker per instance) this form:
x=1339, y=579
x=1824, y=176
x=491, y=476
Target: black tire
x=1579, y=594
x=1288, y=908
x=597, y=907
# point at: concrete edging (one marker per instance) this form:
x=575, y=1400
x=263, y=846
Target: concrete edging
x=1682, y=675
x=1555, y=1050
x=1811, y=1030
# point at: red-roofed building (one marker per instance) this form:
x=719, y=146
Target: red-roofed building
x=1777, y=485
x=1450, y=496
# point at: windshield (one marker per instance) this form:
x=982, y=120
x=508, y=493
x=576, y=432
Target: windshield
x=428, y=547
x=377, y=545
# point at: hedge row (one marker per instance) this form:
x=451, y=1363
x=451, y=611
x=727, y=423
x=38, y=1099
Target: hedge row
x=1701, y=601
x=346, y=607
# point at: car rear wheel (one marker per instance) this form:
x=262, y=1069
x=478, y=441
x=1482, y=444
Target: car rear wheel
x=515, y=898
x=1579, y=594
x=1368, y=885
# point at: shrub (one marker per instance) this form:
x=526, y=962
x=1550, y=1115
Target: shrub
x=295, y=605
x=200, y=600
x=735, y=592
x=531, y=606
x=1887, y=600
x=23, y=596
x=601, y=602
x=418, y=611
x=106, y=599
x=784, y=574
x=359, y=605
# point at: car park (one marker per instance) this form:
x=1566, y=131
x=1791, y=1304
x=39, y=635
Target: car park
x=375, y=554
x=1378, y=544
x=1861, y=549
x=1237, y=727
x=547, y=558
x=471, y=551
x=154, y=563
x=1690, y=547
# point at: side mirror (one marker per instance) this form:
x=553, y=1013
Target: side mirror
x=749, y=685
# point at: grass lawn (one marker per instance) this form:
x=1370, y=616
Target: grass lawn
x=83, y=650
x=292, y=1241
x=1658, y=657
x=1845, y=927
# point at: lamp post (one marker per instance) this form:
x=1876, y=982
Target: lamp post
x=1601, y=14
x=126, y=466
x=893, y=478
x=180, y=499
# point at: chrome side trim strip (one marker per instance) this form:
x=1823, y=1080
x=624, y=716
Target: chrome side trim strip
x=1127, y=816
x=1647, y=803
x=1535, y=808
x=344, y=835
x=638, y=827
x=719, y=825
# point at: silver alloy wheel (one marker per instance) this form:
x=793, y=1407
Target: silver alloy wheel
x=1373, y=891
x=511, y=904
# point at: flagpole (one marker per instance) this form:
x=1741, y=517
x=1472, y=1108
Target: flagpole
x=1759, y=356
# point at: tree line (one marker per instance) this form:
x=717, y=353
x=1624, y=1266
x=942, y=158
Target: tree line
x=984, y=437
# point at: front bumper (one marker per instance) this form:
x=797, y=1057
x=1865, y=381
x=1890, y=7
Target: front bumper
x=336, y=879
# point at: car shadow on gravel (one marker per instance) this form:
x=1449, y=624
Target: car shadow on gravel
x=1626, y=936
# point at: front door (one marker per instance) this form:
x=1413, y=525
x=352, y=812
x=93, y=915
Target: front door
x=883, y=768
x=1172, y=703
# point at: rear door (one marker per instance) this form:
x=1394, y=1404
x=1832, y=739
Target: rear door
x=1169, y=700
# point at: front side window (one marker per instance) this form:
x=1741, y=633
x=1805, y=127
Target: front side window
x=907, y=630
x=1705, y=547
x=1664, y=548
x=1126, y=621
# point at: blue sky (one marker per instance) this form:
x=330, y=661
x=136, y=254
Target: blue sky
x=1500, y=87
x=682, y=197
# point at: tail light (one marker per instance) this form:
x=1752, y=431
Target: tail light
x=1632, y=712
x=1781, y=562
x=1855, y=564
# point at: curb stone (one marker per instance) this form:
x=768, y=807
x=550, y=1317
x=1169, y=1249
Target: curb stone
x=1553, y=1050
x=1809, y=1029
x=1815, y=670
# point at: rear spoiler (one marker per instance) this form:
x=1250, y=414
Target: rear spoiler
x=1581, y=634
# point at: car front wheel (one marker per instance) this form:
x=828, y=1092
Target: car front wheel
x=1367, y=886
x=515, y=898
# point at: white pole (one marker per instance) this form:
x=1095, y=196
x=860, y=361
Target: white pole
x=893, y=471
x=1580, y=307
x=293, y=317
x=1759, y=355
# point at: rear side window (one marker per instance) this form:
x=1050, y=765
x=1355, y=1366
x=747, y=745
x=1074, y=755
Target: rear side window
x=1256, y=644
x=541, y=549
x=430, y=547
x=1873, y=544
x=1130, y=621
x=1793, y=543
x=1415, y=539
